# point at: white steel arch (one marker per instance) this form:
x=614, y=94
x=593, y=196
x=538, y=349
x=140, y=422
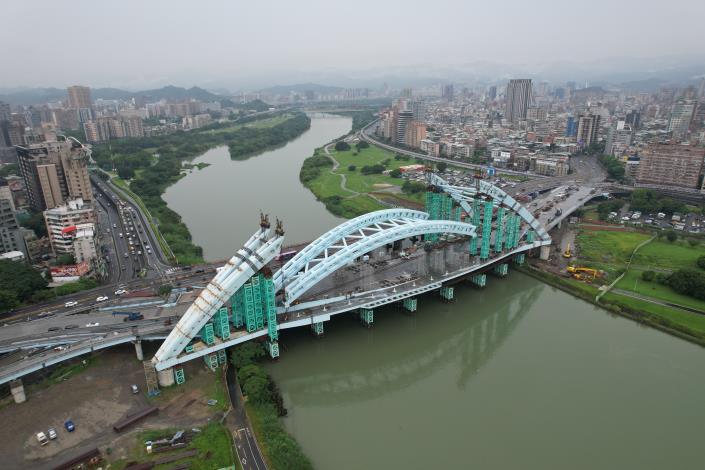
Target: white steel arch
x=259, y=250
x=372, y=221
x=363, y=243
x=464, y=194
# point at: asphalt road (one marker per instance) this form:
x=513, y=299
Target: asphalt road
x=244, y=441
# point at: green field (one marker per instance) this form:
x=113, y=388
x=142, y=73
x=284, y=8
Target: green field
x=259, y=124
x=361, y=193
x=610, y=251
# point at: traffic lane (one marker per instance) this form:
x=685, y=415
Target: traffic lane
x=246, y=448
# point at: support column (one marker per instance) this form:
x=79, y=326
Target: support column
x=138, y=350
x=317, y=328
x=367, y=316
x=480, y=280
x=476, y=223
x=520, y=259
x=486, y=230
x=410, y=304
x=545, y=252
x=273, y=347
x=501, y=269
x=447, y=293
x=499, y=233
x=17, y=390
x=166, y=377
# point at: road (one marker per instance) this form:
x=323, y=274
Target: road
x=244, y=441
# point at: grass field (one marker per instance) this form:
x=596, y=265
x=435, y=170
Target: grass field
x=633, y=282
x=667, y=255
x=609, y=251
x=362, y=193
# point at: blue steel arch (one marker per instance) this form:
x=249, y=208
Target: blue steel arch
x=462, y=194
x=350, y=229
x=392, y=231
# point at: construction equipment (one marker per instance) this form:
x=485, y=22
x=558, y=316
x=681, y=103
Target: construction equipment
x=567, y=253
x=584, y=274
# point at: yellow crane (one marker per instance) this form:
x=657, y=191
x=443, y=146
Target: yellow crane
x=584, y=274
x=567, y=253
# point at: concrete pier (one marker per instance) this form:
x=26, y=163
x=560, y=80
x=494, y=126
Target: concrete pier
x=138, y=350
x=166, y=377
x=17, y=390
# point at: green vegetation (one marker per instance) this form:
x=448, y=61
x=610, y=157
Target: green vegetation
x=264, y=408
x=615, y=170
x=19, y=282
x=9, y=169
x=342, y=146
x=665, y=271
x=612, y=205
x=82, y=284
x=366, y=185
x=213, y=443
x=252, y=140
x=648, y=201
x=155, y=163
x=35, y=222
x=360, y=118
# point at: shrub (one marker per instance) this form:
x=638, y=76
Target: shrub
x=648, y=276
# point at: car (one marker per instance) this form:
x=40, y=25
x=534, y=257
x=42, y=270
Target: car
x=102, y=298
x=69, y=425
x=71, y=303
x=134, y=389
x=53, y=328
x=52, y=433
x=70, y=327
x=42, y=438
x=120, y=292
x=114, y=225
x=92, y=324
x=120, y=234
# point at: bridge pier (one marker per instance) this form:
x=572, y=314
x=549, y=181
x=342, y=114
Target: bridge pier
x=501, y=269
x=367, y=316
x=447, y=293
x=166, y=377
x=545, y=252
x=519, y=259
x=17, y=390
x=410, y=304
x=480, y=280
x=138, y=350
x=317, y=328
x=273, y=347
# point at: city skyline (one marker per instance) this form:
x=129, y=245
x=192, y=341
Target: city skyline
x=241, y=46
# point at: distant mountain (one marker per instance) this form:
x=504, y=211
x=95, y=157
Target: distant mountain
x=300, y=88
x=33, y=96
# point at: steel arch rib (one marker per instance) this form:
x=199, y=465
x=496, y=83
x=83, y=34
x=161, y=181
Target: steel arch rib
x=325, y=241
x=461, y=194
x=260, y=249
x=368, y=243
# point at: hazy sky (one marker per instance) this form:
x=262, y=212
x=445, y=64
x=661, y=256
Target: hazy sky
x=133, y=43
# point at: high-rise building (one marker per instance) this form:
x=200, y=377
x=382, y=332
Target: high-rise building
x=447, y=92
x=403, y=120
x=619, y=138
x=54, y=172
x=62, y=223
x=418, y=107
x=79, y=97
x=11, y=234
x=518, y=98
x=681, y=116
x=701, y=88
x=571, y=127
x=492, y=92
x=670, y=166
x=633, y=119
x=415, y=133
x=588, y=125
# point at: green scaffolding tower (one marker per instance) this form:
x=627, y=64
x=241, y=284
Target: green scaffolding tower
x=221, y=323
x=475, y=218
x=237, y=304
x=434, y=209
x=253, y=306
x=499, y=234
x=486, y=230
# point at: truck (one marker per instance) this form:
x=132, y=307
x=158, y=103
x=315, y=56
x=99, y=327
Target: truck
x=42, y=439
x=129, y=316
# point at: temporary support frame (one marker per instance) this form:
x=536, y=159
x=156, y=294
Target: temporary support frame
x=480, y=280
x=447, y=293
x=317, y=328
x=486, y=230
x=410, y=304
x=367, y=316
x=179, y=376
x=499, y=233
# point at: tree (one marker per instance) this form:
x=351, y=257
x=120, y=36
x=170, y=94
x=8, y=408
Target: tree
x=441, y=166
x=249, y=371
x=395, y=173
x=66, y=258
x=165, y=289
x=648, y=276
x=20, y=279
x=689, y=282
x=342, y=146
x=671, y=236
x=9, y=169
x=352, y=168
x=701, y=262
x=8, y=300
x=362, y=145
x=247, y=353
x=36, y=223
x=257, y=390
x=125, y=172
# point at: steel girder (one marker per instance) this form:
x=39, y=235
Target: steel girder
x=464, y=194
x=334, y=238
x=388, y=232
x=259, y=250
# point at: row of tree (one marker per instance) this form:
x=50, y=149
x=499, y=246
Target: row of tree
x=649, y=201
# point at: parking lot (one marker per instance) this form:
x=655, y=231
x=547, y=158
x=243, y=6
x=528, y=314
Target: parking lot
x=686, y=223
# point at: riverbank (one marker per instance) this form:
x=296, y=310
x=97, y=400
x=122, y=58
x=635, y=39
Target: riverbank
x=684, y=326
x=147, y=167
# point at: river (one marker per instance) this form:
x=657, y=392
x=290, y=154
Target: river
x=517, y=375
x=220, y=204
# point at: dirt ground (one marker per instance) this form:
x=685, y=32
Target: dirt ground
x=95, y=399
